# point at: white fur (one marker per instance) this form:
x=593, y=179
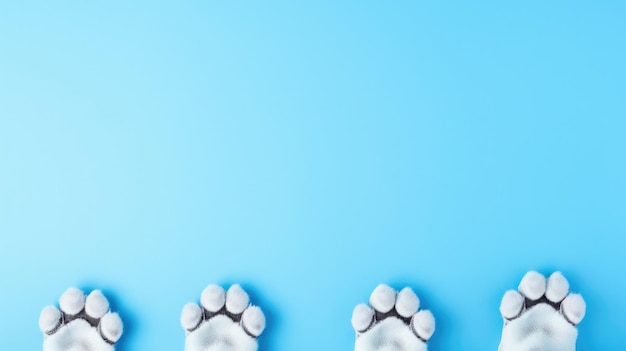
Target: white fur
x=423, y=323
x=191, y=316
x=512, y=304
x=236, y=299
x=533, y=285
x=541, y=327
x=77, y=335
x=574, y=308
x=383, y=298
x=49, y=319
x=213, y=298
x=111, y=327
x=220, y=332
x=362, y=317
x=253, y=320
x=557, y=287
x=96, y=304
x=72, y=301
x=407, y=302
x=392, y=333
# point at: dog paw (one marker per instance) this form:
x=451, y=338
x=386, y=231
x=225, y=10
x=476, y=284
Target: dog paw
x=224, y=321
x=541, y=314
x=81, y=323
x=392, y=322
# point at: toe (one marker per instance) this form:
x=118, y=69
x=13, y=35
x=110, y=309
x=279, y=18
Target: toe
x=362, y=317
x=383, y=298
x=236, y=299
x=423, y=324
x=96, y=304
x=512, y=304
x=533, y=285
x=72, y=301
x=407, y=303
x=111, y=327
x=213, y=298
x=557, y=287
x=573, y=308
x=191, y=316
x=49, y=319
x=253, y=320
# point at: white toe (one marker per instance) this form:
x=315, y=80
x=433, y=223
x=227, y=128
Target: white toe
x=557, y=287
x=49, y=319
x=512, y=304
x=423, y=324
x=191, y=316
x=362, y=317
x=72, y=301
x=383, y=298
x=407, y=302
x=96, y=305
x=533, y=285
x=213, y=298
x=236, y=299
x=111, y=327
x=574, y=308
x=253, y=320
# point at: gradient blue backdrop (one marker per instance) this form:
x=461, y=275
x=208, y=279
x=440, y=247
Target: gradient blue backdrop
x=310, y=151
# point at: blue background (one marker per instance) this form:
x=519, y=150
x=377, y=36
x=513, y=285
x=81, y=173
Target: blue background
x=311, y=151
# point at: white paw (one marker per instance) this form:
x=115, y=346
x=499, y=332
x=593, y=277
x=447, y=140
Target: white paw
x=81, y=324
x=541, y=315
x=393, y=322
x=225, y=321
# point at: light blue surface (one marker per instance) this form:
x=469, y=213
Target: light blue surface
x=311, y=151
